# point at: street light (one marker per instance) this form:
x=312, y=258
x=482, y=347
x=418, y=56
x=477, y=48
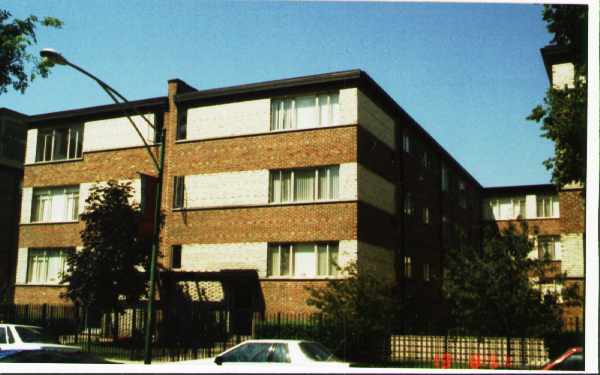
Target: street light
x=56, y=58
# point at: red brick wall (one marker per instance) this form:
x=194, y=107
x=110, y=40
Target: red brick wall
x=543, y=226
x=288, y=296
x=572, y=212
x=95, y=166
x=50, y=235
x=28, y=294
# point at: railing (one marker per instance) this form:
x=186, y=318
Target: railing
x=194, y=331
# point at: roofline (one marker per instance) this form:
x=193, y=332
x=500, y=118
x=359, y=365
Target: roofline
x=553, y=54
x=143, y=105
x=519, y=188
x=346, y=78
x=8, y=111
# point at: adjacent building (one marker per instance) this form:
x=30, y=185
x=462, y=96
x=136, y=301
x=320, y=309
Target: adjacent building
x=12, y=148
x=267, y=188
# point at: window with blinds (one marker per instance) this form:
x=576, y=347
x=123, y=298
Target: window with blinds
x=303, y=259
x=305, y=111
x=55, y=204
x=505, y=208
x=304, y=185
x=46, y=266
x=549, y=247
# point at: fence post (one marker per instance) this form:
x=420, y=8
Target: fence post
x=45, y=315
x=523, y=353
x=279, y=324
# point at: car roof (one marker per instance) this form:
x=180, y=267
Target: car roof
x=18, y=325
x=276, y=341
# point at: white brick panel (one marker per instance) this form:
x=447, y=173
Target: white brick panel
x=348, y=181
x=227, y=189
x=31, y=147
x=376, y=190
x=348, y=103
x=26, y=198
x=21, y=274
x=116, y=133
x=231, y=119
x=376, y=260
x=572, y=254
x=371, y=117
x=563, y=75
x=217, y=257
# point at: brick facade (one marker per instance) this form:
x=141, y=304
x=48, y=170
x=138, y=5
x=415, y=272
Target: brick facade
x=369, y=141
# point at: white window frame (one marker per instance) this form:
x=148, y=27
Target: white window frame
x=556, y=243
x=328, y=193
x=494, y=207
x=278, y=106
x=50, y=139
x=553, y=199
x=406, y=143
x=426, y=272
x=408, y=274
x=444, y=173
x=43, y=256
x=332, y=269
x=426, y=215
x=51, y=196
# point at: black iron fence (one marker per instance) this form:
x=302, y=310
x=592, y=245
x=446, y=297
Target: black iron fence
x=193, y=331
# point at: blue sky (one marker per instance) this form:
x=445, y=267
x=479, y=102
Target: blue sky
x=468, y=73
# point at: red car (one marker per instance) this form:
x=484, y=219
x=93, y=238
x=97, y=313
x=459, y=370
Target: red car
x=571, y=360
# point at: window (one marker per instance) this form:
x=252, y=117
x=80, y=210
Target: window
x=302, y=185
x=405, y=143
x=46, y=266
x=59, y=143
x=547, y=206
x=305, y=111
x=303, y=259
x=505, y=208
x=409, y=208
x=426, y=272
x=444, y=178
x=159, y=118
x=258, y=352
x=182, y=124
x=178, y=191
x=462, y=199
x=176, y=256
x=3, y=336
x=408, y=267
x=549, y=247
x=426, y=215
x=55, y=204
x=13, y=136
x=426, y=161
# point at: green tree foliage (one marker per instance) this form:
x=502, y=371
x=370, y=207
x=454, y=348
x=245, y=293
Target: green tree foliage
x=107, y=269
x=494, y=291
x=367, y=306
x=18, y=66
x=564, y=113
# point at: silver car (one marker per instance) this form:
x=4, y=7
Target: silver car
x=274, y=353
x=24, y=337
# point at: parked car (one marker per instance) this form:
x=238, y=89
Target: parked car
x=49, y=356
x=24, y=337
x=278, y=353
x=571, y=360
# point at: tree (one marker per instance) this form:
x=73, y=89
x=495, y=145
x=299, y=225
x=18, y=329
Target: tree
x=495, y=290
x=107, y=270
x=364, y=303
x=16, y=37
x=564, y=113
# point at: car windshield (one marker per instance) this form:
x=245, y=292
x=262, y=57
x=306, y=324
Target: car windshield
x=34, y=334
x=316, y=351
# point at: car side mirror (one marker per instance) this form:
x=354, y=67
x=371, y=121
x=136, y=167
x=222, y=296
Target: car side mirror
x=219, y=360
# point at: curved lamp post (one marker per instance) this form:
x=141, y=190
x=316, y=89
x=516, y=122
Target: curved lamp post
x=56, y=58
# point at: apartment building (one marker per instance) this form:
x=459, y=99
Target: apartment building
x=279, y=180
x=555, y=218
x=268, y=186
x=12, y=148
